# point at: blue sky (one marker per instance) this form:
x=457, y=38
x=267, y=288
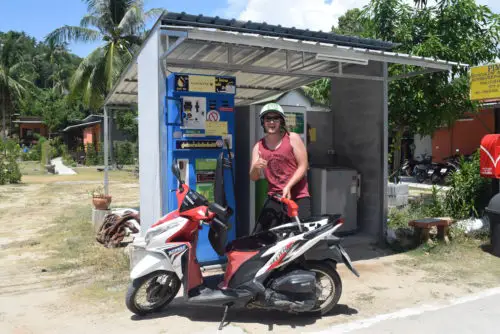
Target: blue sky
x=37, y=18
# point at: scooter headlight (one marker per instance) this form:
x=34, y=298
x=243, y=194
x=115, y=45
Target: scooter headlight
x=158, y=230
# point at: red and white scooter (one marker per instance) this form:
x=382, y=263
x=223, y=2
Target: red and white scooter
x=291, y=267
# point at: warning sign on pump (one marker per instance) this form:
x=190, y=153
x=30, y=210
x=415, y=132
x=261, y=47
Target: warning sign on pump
x=216, y=128
x=194, y=112
x=485, y=82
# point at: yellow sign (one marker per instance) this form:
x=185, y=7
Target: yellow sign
x=312, y=135
x=201, y=83
x=485, y=82
x=215, y=128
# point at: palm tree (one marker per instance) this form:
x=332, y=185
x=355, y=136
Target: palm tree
x=120, y=25
x=420, y=3
x=14, y=75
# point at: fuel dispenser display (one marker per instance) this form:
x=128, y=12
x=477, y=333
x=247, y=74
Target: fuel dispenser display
x=199, y=122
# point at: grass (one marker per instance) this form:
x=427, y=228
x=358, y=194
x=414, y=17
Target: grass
x=97, y=272
x=22, y=244
x=32, y=173
x=462, y=260
x=31, y=168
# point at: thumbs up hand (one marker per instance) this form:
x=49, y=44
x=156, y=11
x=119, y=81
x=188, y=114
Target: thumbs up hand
x=260, y=163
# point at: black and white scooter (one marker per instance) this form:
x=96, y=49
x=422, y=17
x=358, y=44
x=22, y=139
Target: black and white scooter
x=290, y=268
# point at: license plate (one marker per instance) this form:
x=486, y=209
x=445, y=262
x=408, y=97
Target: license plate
x=430, y=172
x=443, y=170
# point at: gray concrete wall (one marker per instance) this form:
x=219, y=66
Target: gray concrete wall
x=318, y=150
x=358, y=139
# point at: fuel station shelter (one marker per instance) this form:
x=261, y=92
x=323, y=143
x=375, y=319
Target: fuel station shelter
x=265, y=60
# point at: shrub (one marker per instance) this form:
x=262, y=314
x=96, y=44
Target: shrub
x=124, y=152
x=94, y=154
x=90, y=155
x=46, y=153
x=66, y=157
x=9, y=168
x=469, y=193
x=34, y=153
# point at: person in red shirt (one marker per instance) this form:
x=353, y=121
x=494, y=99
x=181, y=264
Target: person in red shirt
x=281, y=157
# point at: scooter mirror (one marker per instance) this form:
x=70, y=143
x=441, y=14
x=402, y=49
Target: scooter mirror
x=176, y=171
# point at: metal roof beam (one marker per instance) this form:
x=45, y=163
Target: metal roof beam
x=251, y=87
x=317, y=48
x=130, y=106
x=412, y=74
x=264, y=70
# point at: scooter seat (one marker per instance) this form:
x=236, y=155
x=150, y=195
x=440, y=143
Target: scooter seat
x=253, y=242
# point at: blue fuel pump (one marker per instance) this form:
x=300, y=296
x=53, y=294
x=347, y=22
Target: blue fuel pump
x=200, y=120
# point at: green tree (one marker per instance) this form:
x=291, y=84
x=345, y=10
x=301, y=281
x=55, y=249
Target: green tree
x=455, y=30
x=16, y=75
x=353, y=23
x=120, y=25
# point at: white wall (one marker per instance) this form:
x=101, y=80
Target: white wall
x=294, y=98
x=423, y=145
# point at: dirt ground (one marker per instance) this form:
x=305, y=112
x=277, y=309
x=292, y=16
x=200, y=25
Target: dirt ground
x=49, y=288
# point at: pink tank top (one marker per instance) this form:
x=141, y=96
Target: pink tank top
x=281, y=165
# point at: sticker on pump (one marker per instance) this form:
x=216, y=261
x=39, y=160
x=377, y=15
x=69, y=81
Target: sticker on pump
x=213, y=116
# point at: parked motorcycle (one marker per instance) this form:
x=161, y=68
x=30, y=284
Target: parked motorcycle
x=408, y=167
x=290, y=268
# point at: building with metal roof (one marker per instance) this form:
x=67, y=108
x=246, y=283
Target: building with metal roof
x=267, y=60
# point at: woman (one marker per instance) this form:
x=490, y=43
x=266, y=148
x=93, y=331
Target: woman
x=282, y=158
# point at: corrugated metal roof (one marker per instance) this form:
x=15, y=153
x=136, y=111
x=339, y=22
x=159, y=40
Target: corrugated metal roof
x=264, y=65
x=201, y=21
x=80, y=125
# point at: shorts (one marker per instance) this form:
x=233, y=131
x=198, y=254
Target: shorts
x=274, y=214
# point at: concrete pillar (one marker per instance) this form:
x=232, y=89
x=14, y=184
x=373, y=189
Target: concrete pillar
x=110, y=138
x=106, y=148
x=358, y=139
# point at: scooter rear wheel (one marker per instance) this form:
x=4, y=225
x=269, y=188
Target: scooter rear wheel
x=158, y=287
x=328, y=287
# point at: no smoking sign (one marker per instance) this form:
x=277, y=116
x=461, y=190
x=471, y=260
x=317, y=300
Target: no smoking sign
x=213, y=116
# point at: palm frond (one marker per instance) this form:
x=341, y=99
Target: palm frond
x=153, y=14
x=132, y=21
x=72, y=33
x=15, y=89
x=80, y=79
x=21, y=67
x=89, y=20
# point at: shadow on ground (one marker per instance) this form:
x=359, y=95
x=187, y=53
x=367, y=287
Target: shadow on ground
x=488, y=248
x=365, y=247
x=265, y=317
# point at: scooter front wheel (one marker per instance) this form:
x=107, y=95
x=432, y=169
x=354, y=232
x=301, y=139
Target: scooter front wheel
x=150, y=293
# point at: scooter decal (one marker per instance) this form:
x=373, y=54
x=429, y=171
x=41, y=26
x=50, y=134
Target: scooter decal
x=176, y=252
x=279, y=256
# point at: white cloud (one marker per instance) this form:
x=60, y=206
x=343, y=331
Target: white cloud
x=305, y=14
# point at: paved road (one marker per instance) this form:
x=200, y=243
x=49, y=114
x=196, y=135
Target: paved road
x=475, y=314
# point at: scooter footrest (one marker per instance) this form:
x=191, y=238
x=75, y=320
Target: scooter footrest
x=211, y=297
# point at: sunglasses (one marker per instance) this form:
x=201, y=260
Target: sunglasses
x=269, y=119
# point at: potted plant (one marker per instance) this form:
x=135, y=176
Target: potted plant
x=99, y=199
